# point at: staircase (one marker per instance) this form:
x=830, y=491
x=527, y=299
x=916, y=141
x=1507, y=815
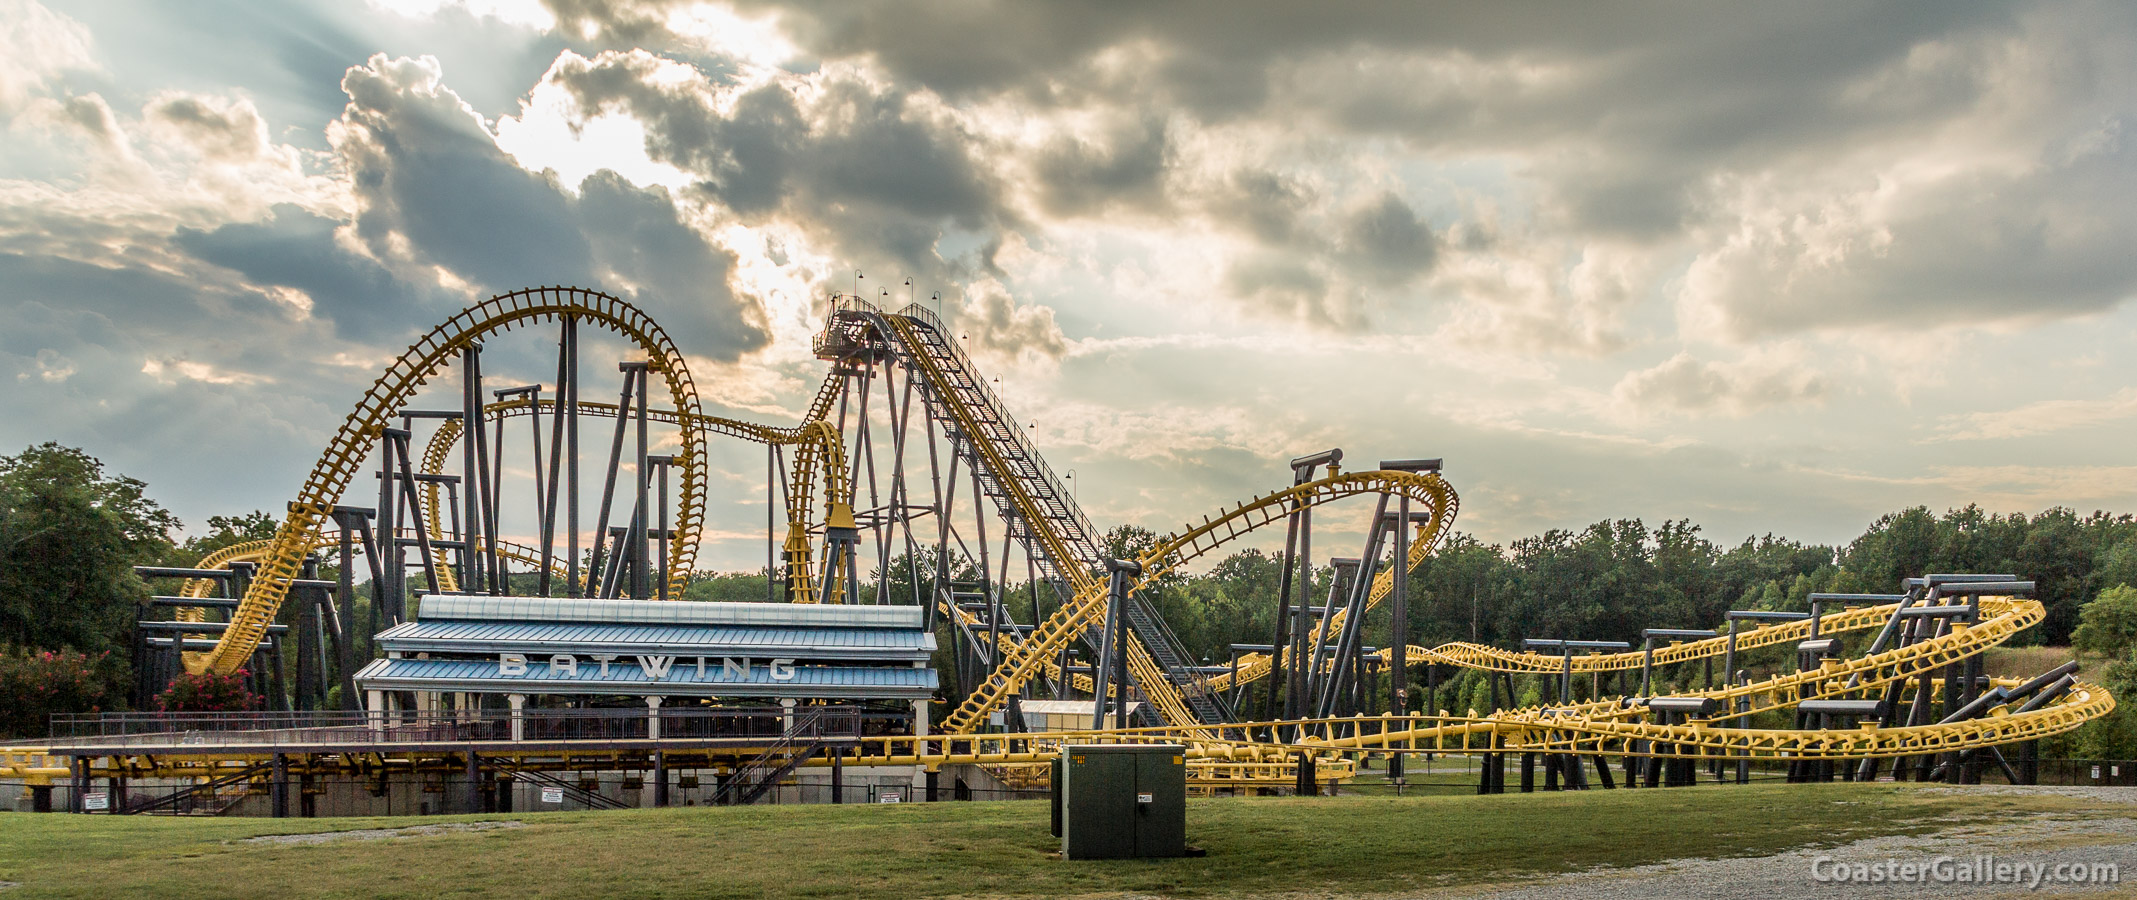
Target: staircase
x=213, y=797
x=755, y=778
x=595, y=800
x=1049, y=500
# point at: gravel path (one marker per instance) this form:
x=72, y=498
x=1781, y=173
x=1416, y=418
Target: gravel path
x=2042, y=838
x=374, y=834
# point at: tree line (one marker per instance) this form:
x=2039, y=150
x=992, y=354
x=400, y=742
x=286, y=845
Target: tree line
x=1613, y=578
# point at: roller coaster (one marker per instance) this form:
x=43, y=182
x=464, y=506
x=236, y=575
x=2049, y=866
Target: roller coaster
x=1865, y=680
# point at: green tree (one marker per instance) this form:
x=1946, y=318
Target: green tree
x=1480, y=698
x=225, y=531
x=69, y=538
x=2108, y=624
x=1899, y=545
x=2113, y=736
x=733, y=587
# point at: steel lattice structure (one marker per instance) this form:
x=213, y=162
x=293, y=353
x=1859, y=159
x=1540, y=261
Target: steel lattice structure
x=902, y=388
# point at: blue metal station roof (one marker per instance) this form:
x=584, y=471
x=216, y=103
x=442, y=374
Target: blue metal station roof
x=626, y=676
x=484, y=608
x=459, y=636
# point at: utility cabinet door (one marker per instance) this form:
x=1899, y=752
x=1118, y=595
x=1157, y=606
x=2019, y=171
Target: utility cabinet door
x=1054, y=793
x=1098, y=811
x=1161, y=804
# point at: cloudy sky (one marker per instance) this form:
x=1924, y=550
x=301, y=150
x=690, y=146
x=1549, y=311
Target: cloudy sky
x=1771, y=267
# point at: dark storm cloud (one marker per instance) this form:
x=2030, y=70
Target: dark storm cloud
x=1079, y=177
x=430, y=178
x=1631, y=124
x=426, y=170
x=1263, y=204
x=683, y=280
x=624, y=23
x=296, y=249
x=1386, y=239
x=1992, y=246
x=959, y=47
x=963, y=48
x=881, y=180
x=869, y=146
x=1325, y=273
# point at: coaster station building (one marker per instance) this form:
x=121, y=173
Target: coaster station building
x=554, y=671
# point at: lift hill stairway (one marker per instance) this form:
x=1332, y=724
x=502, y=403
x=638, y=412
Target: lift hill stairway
x=963, y=396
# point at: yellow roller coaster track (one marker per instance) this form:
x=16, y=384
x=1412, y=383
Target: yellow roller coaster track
x=1087, y=605
x=1612, y=726
x=346, y=452
x=1019, y=663
x=819, y=448
x=1533, y=730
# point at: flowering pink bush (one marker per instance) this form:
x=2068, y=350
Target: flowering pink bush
x=34, y=685
x=209, y=693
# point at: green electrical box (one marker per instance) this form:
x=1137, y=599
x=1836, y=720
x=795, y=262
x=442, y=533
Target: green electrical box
x=1055, y=793
x=1122, y=801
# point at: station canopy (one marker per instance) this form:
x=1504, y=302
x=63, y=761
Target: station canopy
x=559, y=646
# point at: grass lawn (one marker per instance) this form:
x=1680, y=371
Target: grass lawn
x=1256, y=846
x=2027, y=662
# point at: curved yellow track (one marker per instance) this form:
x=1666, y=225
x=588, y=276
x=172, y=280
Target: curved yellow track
x=1087, y=606
x=819, y=448
x=351, y=444
x=1608, y=726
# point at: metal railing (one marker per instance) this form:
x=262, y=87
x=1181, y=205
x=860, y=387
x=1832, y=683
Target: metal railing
x=131, y=729
x=1085, y=537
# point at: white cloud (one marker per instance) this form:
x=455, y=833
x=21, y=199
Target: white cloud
x=1683, y=384
x=2012, y=487
x=170, y=371
x=1535, y=293
x=35, y=45
x=2007, y=198
x=995, y=324
x=2040, y=417
x=524, y=13
x=51, y=367
x=552, y=132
